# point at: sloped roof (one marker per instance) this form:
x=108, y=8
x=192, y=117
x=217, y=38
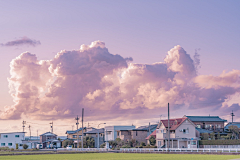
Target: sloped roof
x=48, y=134
x=145, y=128
x=206, y=119
x=232, y=124
x=72, y=132
x=200, y=130
x=95, y=131
x=152, y=134
x=174, y=123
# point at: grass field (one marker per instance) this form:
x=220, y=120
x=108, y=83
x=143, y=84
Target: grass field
x=120, y=156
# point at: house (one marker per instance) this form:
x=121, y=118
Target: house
x=73, y=134
x=30, y=141
x=95, y=133
x=212, y=123
x=200, y=132
x=10, y=139
x=152, y=134
x=47, y=138
x=182, y=133
x=139, y=134
x=110, y=132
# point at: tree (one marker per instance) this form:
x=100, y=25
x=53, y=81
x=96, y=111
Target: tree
x=16, y=145
x=205, y=136
x=67, y=142
x=218, y=136
x=212, y=135
x=234, y=130
x=88, y=141
x=25, y=146
x=152, y=140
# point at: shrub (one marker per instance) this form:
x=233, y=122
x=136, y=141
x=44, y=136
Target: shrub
x=12, y=149
x=25, y=146
x=219, y=142
x=152, y=140
x=103, y=145
x=16, y=145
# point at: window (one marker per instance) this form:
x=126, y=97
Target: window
x=2, y=144
x=184, y=131
x=198, y=126
x=194, y=143
x=9, y=144
x=5, y=136
x=74, y=136
x=118, y=134
x=20, y=144
x=159, y=144
x=136, y=133
x=188, y=142
x=17, y=136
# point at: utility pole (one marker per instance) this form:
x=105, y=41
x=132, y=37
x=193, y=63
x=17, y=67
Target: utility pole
x=168, y=130
x=82, y=125
x=30, y=131
x=77, y=131
x=37, y=134
x=23, y=123
x=232, y=114
x=149, y=128
x=51, y=126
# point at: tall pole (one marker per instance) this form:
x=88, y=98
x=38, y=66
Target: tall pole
x=30, y=131
x=51, y=126
x=77, y=131
x=232, y=114
x=82, y=126
x=168, y=130
x=149, y=128
x=23, y=123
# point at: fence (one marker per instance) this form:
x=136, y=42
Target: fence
x=83, y=149
x=142, y=150
x=219, y=146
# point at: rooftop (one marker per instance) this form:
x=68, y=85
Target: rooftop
x=145, y=128
x=95, y=131
x=152, y=134
x=72, y=132
x=200, y=130
x=174, y=123
x=206, y=119
x=48, y=134
x=232, y=124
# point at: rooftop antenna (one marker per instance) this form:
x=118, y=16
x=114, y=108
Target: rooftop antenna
x=232, y=114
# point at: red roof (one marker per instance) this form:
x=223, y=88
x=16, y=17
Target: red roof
x=152, y=134
x=174, y=123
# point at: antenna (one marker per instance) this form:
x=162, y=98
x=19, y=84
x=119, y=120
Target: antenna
x=232, y=114
x=23, y=123
x=51, y=126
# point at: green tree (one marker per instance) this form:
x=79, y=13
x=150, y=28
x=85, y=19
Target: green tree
x=234, y=130
x=152, y=140
x=25, y=146
x=218, y=136
x=88, y=141
x=67, y=142
x=212, y=135
x=16, y=145
x=205, y=136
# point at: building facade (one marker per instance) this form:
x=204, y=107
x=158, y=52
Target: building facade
x=11, y=139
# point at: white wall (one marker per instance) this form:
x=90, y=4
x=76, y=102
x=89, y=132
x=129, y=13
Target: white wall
x=186, y=125
x=113, y=131
x=11, y=139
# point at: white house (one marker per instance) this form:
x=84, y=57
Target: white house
x=111, y=132
x=11, y=139
x=182, y=133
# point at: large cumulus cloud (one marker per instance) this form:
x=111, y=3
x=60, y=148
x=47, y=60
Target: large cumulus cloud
x=109, y=86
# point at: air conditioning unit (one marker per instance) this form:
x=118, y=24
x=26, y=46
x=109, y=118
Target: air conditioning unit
x=180, y=130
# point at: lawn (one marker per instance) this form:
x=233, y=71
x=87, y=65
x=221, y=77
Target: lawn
x=120, y=156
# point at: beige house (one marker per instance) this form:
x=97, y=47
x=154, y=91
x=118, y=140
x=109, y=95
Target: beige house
x=182, y=133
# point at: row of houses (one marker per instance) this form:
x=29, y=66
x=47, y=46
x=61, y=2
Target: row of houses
x=182, y=132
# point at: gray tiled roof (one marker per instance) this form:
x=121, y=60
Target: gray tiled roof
x=232, y=124
x=200, y=130
x=95, y=131
x=72, y=132
x=206, y=119
x=143, y=128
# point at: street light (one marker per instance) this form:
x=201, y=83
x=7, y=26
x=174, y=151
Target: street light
x=98, y=134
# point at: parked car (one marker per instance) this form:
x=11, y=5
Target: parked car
x=69, y=146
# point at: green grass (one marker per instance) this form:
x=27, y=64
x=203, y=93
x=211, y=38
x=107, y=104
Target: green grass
x=120, y=156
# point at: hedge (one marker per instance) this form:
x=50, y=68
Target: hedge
x=219, y=142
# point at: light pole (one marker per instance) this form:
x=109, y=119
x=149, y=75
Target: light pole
x=98, y=134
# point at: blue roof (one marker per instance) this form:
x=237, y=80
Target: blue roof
x=232, y=124
x=206, y=119
x=200, y=130
x=72, y=132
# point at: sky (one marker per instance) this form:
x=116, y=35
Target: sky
x=122, y=61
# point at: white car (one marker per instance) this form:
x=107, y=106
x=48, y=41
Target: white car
x=69, y=146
